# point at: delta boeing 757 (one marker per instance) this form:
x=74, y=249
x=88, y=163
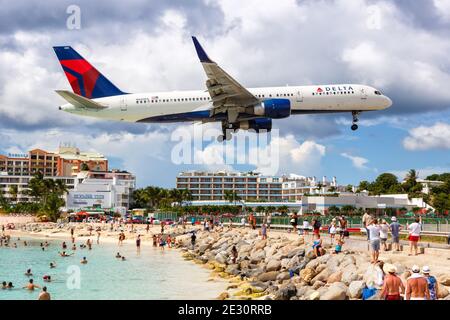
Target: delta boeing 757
x=225, y=99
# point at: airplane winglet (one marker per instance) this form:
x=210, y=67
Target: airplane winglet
x=79, y=101
x=201, y=52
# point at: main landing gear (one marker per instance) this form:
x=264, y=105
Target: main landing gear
x=354, y=126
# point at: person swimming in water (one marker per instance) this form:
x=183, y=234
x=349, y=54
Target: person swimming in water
x=64, y=245
x=47, y=278
x=4, y=285
x=64, y=254
x=123, y=258
x=52, y=265
x=10, y=285
x=28, y=273
x=31, y=286
x=84, y=260
x=44, y=295
x=118, y=255
x=74, y=247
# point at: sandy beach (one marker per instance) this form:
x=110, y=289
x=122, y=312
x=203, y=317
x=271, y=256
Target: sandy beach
x=262, y=268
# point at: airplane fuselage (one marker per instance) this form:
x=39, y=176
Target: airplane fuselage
x=179, y=106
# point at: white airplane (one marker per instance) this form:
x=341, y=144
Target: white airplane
x=225, y=100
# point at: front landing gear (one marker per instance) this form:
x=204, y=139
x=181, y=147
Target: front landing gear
x=354, y=126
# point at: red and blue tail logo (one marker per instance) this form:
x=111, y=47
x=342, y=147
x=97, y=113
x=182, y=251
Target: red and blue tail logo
x=85, y=80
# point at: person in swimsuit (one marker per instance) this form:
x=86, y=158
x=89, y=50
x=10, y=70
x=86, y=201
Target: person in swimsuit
x=317, y=246
x=31, y=286
x=138, y=243
x=339, y=244
x=234, y=254
x=417, y=286
x=44, y=295
x=393, y=285
x=84, y=261
x=155, y=240
x=28, y=273
x=4, y=285
x=414, y=230
x=47, y=278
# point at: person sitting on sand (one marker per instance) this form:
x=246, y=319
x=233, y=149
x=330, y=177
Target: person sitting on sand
x=28, y=273
x=339, y=243
x=317, y=246
x=47, y=278
x=84, y=261
x=31, y=286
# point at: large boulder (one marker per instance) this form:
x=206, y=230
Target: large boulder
x=286, y=292
x=372, y=276
x=285, y=263
x=355, y=289
x=283, y=276
x=335, y=277
x=444, y=279
x=202, y=248
x=268, y=276
x=315, y=295
x=337, y=291
x=257, y=256
x=322, y=276
x=307, y=274
x=221, y=257
x=296, y=252
x=442, y=292
x=349, y=274
x=320, y=268
x=260, y=244
x=273, y=265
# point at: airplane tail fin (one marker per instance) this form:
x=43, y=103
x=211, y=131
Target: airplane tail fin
x=85, y=80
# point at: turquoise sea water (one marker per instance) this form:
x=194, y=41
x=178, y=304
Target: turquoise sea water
x=151, y=274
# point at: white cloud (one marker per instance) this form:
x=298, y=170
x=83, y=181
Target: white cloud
x=443, y=7
x=421, y=172
x=428, y=137
x=358, y=162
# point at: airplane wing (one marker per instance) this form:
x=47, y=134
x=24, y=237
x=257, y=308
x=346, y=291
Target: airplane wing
x=226, y=93
x=79, y=101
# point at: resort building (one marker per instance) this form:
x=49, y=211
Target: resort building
x=66, y=161
x=111, y=190
x=253, y=187
x=212, y=185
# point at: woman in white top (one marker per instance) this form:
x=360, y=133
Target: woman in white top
x=384, y=230
x=305, y=227
x=414, y=230
x=332, y=229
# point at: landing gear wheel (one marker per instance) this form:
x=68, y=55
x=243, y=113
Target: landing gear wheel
x=220, y=138
x=354, y=127
x=228, y=136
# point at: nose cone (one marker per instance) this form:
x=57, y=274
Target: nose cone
x=387, y=102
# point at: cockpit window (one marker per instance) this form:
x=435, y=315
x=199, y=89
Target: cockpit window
x=378, y=93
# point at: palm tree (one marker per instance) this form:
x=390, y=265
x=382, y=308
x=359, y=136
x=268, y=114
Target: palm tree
x=412, y=176
x=319, y=187
x=231, y=196
x=14, y=192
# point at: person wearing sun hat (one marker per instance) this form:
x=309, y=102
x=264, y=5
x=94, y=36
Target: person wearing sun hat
x=417, y=286
x=432, y=283
x=392, y=286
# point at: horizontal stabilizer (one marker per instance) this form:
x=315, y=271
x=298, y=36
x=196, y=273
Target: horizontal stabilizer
x=79, y=101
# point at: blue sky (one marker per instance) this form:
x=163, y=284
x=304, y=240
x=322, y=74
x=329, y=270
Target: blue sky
x=400, y=47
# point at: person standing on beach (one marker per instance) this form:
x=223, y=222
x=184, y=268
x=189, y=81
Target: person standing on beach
x=393, y=285
x=417, y=286
x=414, y=230
x=294, y=221
x=44, y=295
x=366, y=218
x=193, y=237
x=395, y=228
x=332, y=230
x=374, y=236
x=269, y=220
x=263, y=231
x=234, y=254
x=432, y=283
x=138, y=243
x=155, y=240
x=384, y=230
x=305, y=227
